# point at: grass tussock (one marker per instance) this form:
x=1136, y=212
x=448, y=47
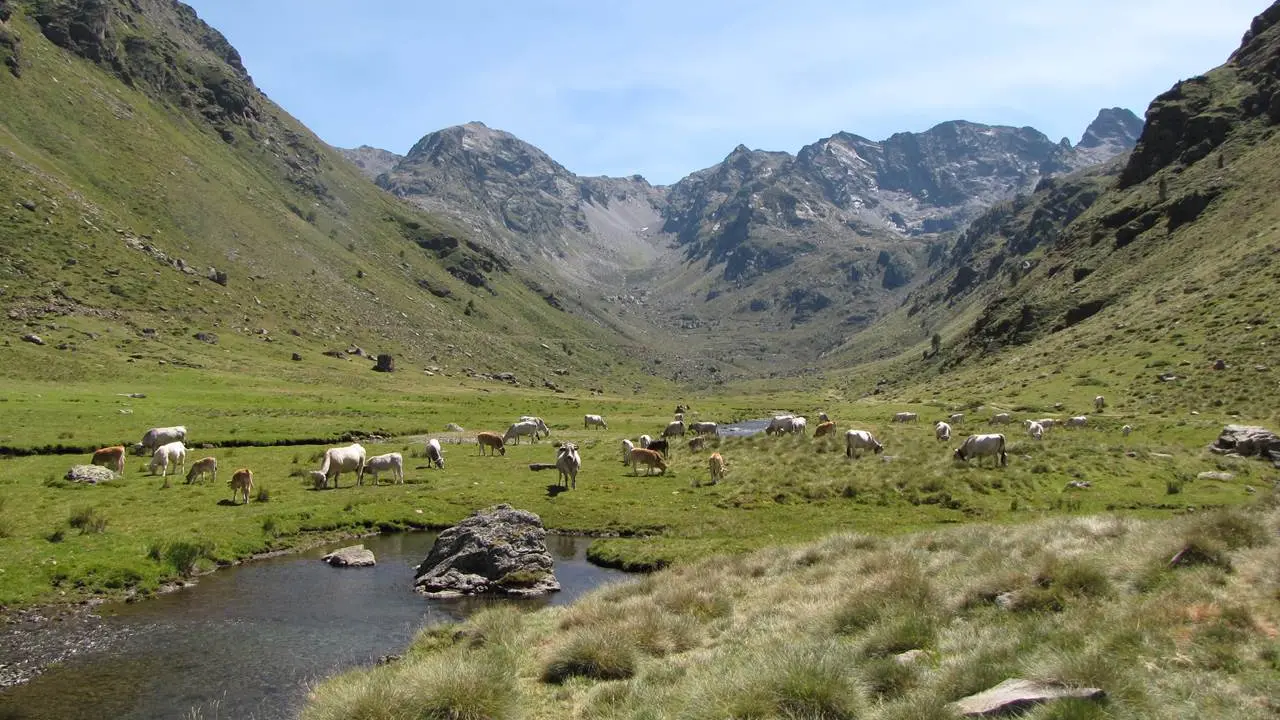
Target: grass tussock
x=88, y=520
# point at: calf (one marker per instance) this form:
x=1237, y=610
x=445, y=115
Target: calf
x=856, y=441
x=170, y=454
x=716, y=465
x=110, y=457
x=201, y=467
x=942, y=431
x=698, y=443
x=627, y=447
x=1035, y=429
x=241, y=482
x=659, y=446
x=978, y=446
x=649, y=458
x=645, y=440
x=435, y=453
x=824, y=428
x=490, y=440
x=390, y=462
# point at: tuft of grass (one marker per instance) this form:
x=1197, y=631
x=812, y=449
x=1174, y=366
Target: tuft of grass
x=88, y=520
x=184, y=556
x=263, y=494
x=591, y=653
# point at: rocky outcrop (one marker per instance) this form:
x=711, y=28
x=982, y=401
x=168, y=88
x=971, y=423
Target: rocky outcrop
x=1014, y=696
x=500, y=550
x=372, y=161
x=1247, y=440
x=350, y=556
x=90, y=474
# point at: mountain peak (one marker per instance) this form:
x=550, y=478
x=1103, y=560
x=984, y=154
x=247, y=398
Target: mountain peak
x=1113, y=126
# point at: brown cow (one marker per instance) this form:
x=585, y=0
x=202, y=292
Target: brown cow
x=110, y=457
x=650, y=458
x=716, y=465
x=491, y=440
x=241, y=482
x=202, y=466
x=825, y=428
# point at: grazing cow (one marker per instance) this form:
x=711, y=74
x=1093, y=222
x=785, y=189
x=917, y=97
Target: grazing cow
x=1047, y=423
x=956, y=418
x=679, y=416
x=660, y=446
x=797, y=426
x=1035, y=430
x=855, y=441
x=1126, y=430
x=200, y=468
x=822, y=417
x=942, y=431
x=490, y=440
x=627, y=447
x=167, y=455
x=318, y=480
x=1001, y=419
x=704, y=428
x=675, y=428
x=435, y=453
x=589, y=421
x=977, y=446
x=697, y=443
x=344, y=459
x=716, y=465
x=519, y=430
x=543, y=430
x=906, y=417
x=241, y=483
x=778, y=425
x=1077, y=421
x=824, y=428
x=110, y=457
x=157, y=436
x=645, y=440
x=649, y=458
x=568, y=463
x=390, y=462
x=1099, y=402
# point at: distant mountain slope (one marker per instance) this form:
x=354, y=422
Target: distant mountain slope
x=176, y=199
x=372, y=161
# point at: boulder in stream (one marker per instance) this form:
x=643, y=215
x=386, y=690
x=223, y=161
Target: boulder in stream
x=91, y=474
x=350, y=556
x=499, y=550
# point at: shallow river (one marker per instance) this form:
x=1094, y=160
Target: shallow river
x=246, y=641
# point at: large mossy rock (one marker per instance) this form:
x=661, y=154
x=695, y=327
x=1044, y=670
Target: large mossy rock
x=500, y=550
x=90, y=474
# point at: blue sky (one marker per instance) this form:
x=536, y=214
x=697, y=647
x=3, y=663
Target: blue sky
x=666, y=87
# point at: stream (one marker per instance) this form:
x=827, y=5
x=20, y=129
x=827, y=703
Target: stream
x=247, y=641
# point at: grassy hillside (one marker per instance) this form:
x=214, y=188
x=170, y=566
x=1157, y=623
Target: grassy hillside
x=130, y=182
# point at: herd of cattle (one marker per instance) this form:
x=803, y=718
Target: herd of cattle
x=168, y=451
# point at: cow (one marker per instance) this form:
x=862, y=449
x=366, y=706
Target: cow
x=110, y=457
x=1035, y=430
x=519, y=430
x=978, y=446
x=490, y=440
x=435, y=453
x=697, y=443
x=716, y=465
x=824, y=428
x=1126, y=430
x=645, y=440
x=241, y=483
x=1099, y=402
x=390, y=462
x=590, y=421
x=675, y=428
x=778, y=424
x=1047, y=423
x=167, y=455
x=543, y=430
x=318, y=480
x=1077, y=421
x=568, y=463
x=797, y=425
x=942, y=431
x=822, y=417
x=649, y=458
x=856, y=441
x=200, y=468
x=956, y=418
x=704, y=428
x=660, y=446
x=157, y=436
x=906, y=417
x=1001, y=419
x=344, y=459
x=627, y=447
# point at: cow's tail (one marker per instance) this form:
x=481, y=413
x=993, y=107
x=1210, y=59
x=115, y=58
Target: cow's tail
x=325, y=467
x=1004, y=457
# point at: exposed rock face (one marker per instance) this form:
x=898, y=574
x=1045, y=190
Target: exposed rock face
x=372, y=161
x=91, y=474
x=1114, y=132
x=1247, y=440
x=498, y=550
x=350, y=556
x=1013, y=696
x=386, y=363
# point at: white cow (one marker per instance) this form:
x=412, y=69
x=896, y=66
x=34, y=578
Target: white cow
x=390, y=462
x=1047, y=423
x=542, y=426
x=977, y=446
x=435, y=453
x=942, y=431
x=1099, y=402
x=645, y=440
x=568, y=463
x=1001, y=419
x=674, y=428
x=905, y=417
x=1077, y=421
x=343, y=459
x=704, y=428
x=169, y=455
x=589, y=421
x=797, y=426
x=956, y=418
x=157, y=436
x=1126, y=430
x=521, y=429
x=778, y=425
x=627, y=447
x=1035, y=430
x=858, y=440
x=318, y=480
